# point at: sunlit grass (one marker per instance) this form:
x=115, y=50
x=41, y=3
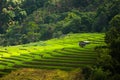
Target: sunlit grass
x=68, y=41
x=60, y=51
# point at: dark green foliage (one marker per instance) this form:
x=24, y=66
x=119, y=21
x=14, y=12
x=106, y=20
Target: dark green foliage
x=45, y=19
x=113, y=35
x=52, y=18
x=32, y=5
x=98, y=74
x=109, y=58
x=115, y=77
x=10, y=14
x=105, y=13
x=87, y=71
x=73, y=25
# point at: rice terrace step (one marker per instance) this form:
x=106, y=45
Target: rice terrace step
x=62, y=53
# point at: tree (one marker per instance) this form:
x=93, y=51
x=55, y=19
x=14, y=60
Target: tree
x=2, y=5
x=113, y=40
x=31, y=5
x=114, y=32
x=105, y=13
x=10, y=13
x=98, y=74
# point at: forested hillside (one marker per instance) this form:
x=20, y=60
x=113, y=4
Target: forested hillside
x=24, y=21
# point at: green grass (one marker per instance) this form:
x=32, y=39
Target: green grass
x=58, y=53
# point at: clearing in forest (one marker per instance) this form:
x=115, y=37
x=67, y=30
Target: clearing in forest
x=58, y=53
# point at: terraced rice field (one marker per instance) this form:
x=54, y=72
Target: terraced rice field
x=59, y=53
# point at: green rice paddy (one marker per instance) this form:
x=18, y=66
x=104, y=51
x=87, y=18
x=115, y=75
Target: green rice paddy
x=58, y=53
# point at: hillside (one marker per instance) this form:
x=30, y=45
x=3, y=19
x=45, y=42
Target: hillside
x=44, y=34
x=59, y=53
x=25, y=21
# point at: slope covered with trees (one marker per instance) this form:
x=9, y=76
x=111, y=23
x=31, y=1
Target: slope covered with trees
x=24, y=21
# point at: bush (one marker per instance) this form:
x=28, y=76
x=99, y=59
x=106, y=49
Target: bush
x=98, y=74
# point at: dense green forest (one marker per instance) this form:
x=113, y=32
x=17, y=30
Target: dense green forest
x=26, y=21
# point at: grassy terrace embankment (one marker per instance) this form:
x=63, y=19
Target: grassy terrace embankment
x=59, y=53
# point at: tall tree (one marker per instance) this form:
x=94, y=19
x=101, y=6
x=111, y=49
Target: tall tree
x=113, y=40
